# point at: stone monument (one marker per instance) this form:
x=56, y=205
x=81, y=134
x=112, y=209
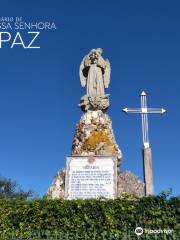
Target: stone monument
x=92, y=169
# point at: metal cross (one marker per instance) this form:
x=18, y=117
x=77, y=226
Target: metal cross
x=144, y=111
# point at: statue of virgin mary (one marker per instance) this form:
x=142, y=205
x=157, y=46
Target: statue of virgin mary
x=95, y=73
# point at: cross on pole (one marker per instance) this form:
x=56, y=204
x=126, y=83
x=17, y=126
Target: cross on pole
x=147, y=157
x=144, y=111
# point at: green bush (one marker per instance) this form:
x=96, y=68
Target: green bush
x=88, y=219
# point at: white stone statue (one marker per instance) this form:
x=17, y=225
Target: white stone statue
x=95, y=73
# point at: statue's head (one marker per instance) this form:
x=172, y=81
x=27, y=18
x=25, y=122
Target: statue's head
x=99, y=50
x=94, y=54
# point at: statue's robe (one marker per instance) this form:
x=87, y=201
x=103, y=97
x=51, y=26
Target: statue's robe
x=95, y=80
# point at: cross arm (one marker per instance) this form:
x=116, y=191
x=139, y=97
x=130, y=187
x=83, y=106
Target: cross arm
x=144, y=110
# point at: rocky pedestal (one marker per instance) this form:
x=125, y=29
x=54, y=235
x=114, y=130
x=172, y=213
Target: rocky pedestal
x=128, y=183
x=57, y=189
x=94, y=136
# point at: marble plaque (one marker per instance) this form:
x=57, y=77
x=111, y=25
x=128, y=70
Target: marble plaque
x=91, y=177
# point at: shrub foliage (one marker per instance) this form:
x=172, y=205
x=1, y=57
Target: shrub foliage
x=87, y=219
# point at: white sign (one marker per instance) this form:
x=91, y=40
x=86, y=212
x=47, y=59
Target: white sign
x=91, y=177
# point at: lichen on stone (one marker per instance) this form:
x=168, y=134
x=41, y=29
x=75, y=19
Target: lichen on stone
x=96, y=138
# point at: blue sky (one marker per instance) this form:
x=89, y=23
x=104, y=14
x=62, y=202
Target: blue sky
x=40, y=88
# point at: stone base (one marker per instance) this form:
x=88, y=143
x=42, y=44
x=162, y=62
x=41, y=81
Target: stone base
x=57, y=189
x=94, y=136
x=127, y=183
x=94, y=103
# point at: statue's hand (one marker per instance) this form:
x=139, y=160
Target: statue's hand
x=83, y=83
x=100, y=65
